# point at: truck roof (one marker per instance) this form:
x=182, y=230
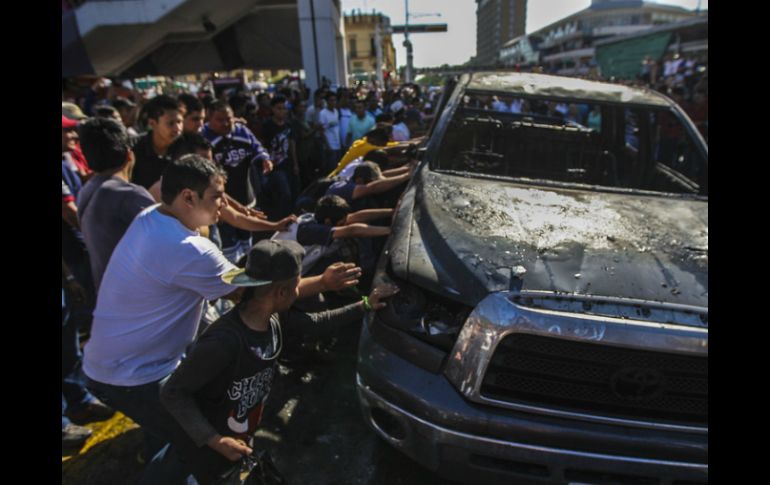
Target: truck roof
x=558, y=87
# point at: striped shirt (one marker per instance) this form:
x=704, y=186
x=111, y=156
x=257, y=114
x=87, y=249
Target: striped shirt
x=237, y=153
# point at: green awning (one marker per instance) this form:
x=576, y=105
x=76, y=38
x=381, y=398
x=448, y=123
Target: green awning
x=623, y=59
x=145, y=83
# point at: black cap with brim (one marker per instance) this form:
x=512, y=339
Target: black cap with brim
x=268, y=261
x=238, y=277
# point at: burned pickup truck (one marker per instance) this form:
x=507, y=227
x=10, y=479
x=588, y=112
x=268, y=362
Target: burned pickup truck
x=552, y=256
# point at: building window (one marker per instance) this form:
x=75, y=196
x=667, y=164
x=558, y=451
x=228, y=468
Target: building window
x=353, y=51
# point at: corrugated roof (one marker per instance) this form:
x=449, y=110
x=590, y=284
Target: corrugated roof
x=557, y=87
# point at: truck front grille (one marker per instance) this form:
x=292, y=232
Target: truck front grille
x=593, y=378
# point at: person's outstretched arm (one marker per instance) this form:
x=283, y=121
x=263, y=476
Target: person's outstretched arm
x=251, y=223
x=379, y=186
x=367, y=215
x=324, y=323
x=336, y=277
x=359, y=230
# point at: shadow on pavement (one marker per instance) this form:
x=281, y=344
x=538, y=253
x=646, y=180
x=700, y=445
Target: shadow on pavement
x=109, y=462
x=315, y=431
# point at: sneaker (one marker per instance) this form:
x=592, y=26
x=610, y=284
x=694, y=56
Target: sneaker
x=74, y=436
x=93, y=411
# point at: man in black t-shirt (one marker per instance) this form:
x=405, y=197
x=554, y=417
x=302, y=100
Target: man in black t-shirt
x=218, y=392
x=151, y=150
x=282, y=185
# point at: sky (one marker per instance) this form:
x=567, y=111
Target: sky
x=458, y=44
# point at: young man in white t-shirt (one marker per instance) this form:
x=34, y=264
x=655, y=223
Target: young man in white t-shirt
x=346, y=114
x=330, y=122
x=151, y=300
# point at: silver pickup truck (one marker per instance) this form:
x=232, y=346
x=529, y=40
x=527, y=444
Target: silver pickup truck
x=552, y=322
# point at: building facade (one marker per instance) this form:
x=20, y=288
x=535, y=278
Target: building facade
x=361, y=33
x=566, y=47
x=621, y=56
x=497, y=22
x=521, y=51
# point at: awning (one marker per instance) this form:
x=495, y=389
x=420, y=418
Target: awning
x=624, y=59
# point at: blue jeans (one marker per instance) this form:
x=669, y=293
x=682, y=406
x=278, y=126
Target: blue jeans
x=142, y=404
x=64, y=419
x=73, y=390
x=280, y=190
x=82, y=312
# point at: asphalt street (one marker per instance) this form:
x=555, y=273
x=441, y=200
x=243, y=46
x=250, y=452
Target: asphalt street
x=312, y=426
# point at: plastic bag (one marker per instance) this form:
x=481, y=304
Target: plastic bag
x=259, y=468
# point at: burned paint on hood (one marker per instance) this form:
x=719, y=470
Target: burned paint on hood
x=469, y=237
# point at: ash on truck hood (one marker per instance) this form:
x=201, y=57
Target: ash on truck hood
x=469, y=237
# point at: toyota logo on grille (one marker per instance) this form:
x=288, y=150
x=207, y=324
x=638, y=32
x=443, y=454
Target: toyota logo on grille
x=636, y=384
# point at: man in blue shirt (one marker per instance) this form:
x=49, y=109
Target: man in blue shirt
x=245, y=162
x=360, y=124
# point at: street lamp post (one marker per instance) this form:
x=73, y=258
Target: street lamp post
x=378, y=51
x=408, y=45
x=404, y=29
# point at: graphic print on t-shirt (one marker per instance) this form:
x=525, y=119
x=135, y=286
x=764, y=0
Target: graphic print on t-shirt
x=247, y=393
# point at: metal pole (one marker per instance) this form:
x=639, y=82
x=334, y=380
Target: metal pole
x=315, y=46
x=408, y=45
x=378, y=50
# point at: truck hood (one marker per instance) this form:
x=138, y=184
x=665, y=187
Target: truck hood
x=465, y=237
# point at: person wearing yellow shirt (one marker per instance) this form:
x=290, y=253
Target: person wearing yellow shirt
x=376, y=139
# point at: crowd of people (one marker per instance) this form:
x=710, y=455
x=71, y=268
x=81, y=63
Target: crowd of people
x=206, y=235
x=203, y=238
x=684, y=78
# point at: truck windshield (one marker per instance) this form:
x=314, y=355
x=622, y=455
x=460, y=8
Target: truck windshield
x=613, y=146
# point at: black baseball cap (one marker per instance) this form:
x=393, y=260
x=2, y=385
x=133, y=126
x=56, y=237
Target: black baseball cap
x=268, y=261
